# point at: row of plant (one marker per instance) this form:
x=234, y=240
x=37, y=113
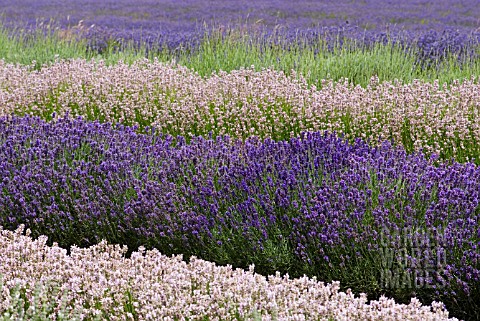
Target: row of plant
x=98, y=283
x=314, y=205
x=435, y=56
x=435, y=28
x=176, y=101
x=176, y=20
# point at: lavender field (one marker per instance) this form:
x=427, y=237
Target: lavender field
x=239, y=160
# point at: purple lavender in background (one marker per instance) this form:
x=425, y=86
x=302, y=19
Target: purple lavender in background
x=436, y=26
x=173, y=16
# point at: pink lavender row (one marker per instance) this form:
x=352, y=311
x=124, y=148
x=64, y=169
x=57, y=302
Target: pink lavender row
x=243, y=103
x=312, y=205
x=99, y=282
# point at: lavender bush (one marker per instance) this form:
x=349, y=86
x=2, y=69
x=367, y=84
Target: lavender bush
x=313, y=205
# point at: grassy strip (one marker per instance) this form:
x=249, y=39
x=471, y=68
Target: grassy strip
x=49, y=45
x=235, y=50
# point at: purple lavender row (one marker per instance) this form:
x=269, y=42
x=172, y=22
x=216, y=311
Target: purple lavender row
x=171, y=15
x=435, y=26
x=313, y=205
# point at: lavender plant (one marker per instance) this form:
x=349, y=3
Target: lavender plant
x=313, y=205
